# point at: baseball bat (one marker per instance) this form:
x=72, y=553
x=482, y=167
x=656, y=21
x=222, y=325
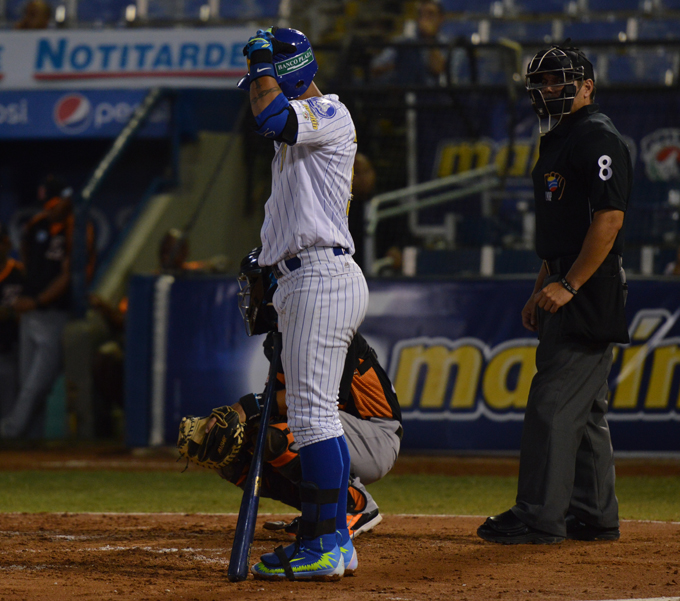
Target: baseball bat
x=239, y=562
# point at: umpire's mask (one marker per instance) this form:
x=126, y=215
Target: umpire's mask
x=557, y=69
x=258, y=285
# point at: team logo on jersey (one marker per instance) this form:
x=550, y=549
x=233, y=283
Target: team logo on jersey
x=322, y=107
x=310, y=116
x=73, y=113
x=661, y=154
x=554, y=186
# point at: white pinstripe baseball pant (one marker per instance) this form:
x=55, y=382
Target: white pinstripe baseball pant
x=320, y=306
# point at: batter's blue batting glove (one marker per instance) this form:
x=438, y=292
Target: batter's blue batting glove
x=260, y=51
x=262, y=47
x=259, y=42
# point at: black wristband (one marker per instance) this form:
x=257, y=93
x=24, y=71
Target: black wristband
x=250, y=404
x=568, y=286
x=261, y=56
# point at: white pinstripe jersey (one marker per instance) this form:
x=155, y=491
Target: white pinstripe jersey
x=311, y=183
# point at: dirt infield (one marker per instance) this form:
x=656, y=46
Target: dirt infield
x=97, y=557
x=406, y=558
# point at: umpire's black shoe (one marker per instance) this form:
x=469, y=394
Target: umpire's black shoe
x=578, y=530
x=508, y=529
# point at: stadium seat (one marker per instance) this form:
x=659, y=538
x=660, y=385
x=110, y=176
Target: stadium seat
x=102, y=11
x=163, y=10
x=490, y=69
x=510, y=260
x=620, y=69
x=541, y=6
x=454, y=29
x=192, y=8
x=448, y=262
x=588, y=31
x=15, y=8
x=613, y=5
x=522, y=31
x=467, y=6
x=631, y=260
x=658, y=29
x=662, y=257
x=249, y=9
x=476, y=231
x=646, y=66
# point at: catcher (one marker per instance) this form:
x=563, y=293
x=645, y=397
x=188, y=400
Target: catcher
x=369, y=412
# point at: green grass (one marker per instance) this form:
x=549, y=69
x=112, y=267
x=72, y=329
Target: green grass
x=201, y=491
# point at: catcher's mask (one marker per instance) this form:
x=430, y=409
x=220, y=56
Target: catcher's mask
x=258, y=285
x=566, y=66
x=294, y=72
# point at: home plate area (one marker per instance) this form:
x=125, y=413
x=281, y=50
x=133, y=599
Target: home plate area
x=406, y=558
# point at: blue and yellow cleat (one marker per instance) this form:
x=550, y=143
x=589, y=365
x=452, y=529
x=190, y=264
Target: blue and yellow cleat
x=349, y=554
x=297, y=562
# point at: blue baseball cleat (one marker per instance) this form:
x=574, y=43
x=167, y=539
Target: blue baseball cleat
x=297, y=562
x=349, y=554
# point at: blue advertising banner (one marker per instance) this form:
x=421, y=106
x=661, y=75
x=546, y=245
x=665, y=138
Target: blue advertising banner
x=75, y=114
x=462, y=363
x=456, y=352
x=113, y=58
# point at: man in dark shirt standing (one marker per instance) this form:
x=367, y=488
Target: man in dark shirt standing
x=44, y=307
x=582, y=184
x=11, y=287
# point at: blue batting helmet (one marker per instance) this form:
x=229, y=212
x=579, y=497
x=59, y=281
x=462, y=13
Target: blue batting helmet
x=294, y=72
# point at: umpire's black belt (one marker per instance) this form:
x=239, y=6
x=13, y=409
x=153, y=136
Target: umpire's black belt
x=610, y=266
x=295, y=262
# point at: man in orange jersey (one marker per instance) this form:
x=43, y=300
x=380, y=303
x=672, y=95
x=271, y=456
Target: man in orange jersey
x=44, y=306
x=11, y=287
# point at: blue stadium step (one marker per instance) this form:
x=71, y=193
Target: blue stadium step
x=584, y=31
x=614, y=5
x=467, y=6
x=659, y=29
x=107, y=12
x=541, y=6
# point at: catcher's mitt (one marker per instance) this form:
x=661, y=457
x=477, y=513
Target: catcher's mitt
x=219, y=447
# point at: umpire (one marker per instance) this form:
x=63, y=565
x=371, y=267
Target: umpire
x=582, y=182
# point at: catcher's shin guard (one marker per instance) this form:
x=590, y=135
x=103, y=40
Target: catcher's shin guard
x=356, y=499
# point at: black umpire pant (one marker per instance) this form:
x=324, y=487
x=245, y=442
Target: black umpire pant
x=566, y=457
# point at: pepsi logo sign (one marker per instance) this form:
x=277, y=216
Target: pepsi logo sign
x=73, y=113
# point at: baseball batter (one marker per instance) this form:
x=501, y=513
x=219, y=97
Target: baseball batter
x=369, y=412
x=322, y=295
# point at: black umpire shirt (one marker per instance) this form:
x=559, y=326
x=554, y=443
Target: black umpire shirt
x=584, y=166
